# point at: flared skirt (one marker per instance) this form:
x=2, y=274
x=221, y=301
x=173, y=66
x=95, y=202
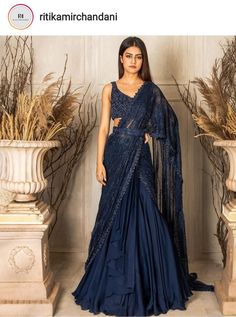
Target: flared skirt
x=136, y=272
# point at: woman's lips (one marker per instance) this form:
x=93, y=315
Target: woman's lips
x=133, y=66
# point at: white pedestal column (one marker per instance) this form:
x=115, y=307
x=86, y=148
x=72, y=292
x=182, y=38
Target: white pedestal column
x=225, y=289
x=27, y=286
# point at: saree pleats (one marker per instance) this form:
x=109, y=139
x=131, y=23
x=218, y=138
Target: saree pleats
x=136, y=271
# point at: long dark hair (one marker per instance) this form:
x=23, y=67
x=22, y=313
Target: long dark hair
x=144, y=72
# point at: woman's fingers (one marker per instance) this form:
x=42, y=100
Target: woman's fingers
x=104, y=174
x=101, y=176
x=103, y=183
x=101, y=180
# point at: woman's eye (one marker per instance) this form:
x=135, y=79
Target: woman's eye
x=130, y=56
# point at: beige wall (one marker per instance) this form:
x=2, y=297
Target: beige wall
x=94, y=59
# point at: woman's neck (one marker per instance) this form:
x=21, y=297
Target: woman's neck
x=130, y=78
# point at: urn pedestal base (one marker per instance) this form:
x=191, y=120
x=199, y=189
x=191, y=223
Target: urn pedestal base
x=227, y=304
x=27, y=285
x=35, y=212
x=225, y=289
x=28, y=308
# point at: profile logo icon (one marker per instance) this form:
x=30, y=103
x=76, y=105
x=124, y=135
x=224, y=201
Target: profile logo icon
x=20, y=16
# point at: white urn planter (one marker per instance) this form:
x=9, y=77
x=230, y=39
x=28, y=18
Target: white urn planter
x=22, y=174
x=225, y=289
x=27, y=284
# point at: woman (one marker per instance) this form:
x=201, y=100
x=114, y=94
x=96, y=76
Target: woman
x=137, y=261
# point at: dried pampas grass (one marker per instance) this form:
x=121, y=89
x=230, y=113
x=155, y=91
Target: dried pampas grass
x=219, y=95
x=41, y=117
x=215, y=118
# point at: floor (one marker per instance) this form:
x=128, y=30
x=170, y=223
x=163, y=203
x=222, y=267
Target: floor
x=68, y=272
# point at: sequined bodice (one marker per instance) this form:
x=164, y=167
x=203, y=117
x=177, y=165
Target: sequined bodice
x=121, y=102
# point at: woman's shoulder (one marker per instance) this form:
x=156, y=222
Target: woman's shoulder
x=107, y=87
x=106, y=90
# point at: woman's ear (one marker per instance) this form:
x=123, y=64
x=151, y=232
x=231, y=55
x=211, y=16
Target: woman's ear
x=121, y=59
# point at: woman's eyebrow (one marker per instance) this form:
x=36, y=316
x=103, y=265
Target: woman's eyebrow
x=134, y=54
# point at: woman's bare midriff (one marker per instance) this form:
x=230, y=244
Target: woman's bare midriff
x=116, y=122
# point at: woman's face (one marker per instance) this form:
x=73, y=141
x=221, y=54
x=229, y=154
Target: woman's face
x=132, y=59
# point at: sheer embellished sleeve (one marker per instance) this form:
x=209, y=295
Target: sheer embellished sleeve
x=164, y=130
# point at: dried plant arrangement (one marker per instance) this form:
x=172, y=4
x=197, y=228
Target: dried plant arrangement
x=40, y=117
x=215, y=119
x=54, y=112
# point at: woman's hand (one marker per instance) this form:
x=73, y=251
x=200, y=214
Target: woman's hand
x=101, y=174
x=146, y=136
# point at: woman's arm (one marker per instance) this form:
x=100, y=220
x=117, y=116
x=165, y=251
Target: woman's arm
x=103, y=132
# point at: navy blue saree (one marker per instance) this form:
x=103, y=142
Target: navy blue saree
x=137, y=262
